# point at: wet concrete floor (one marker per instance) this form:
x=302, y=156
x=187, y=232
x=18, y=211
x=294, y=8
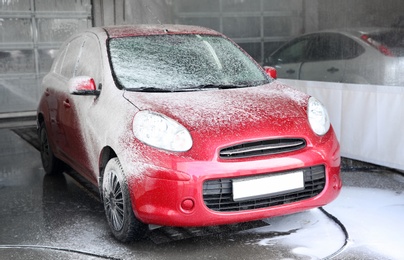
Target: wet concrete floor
x=57, y=217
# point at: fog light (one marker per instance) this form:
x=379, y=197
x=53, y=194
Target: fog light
x=187, y=205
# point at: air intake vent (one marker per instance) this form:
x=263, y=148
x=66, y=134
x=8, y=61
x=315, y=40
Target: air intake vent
x=218, y=194
x=260, y=148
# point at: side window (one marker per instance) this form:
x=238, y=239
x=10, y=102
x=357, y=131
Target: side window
x=293, y=53
x=70, y=60
x=89, y=62
x=326, y=47
x=57, y=65
x=351, y=49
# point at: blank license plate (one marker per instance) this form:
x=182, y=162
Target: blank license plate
x=256, y=187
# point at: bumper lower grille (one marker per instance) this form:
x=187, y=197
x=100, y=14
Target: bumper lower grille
x=260, y=148
x=218, y=194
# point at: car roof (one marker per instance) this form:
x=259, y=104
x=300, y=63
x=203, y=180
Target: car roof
x=357, y=32
x=155, y=29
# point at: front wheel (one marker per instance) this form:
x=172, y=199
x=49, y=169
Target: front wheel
x=117, y=204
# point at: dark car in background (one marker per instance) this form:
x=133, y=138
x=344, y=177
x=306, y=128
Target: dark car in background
x=363, y=56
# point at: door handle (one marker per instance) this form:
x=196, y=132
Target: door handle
x=333, y=70
x=66, y=103
x=290, y=71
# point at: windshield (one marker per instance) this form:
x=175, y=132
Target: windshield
x=181, y=62
x=392, y=39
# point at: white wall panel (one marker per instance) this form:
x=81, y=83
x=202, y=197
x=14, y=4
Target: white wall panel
x=368, y=119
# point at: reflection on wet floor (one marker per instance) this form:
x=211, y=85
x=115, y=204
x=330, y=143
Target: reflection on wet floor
x=170, y=234
x=46, y=253
x=29, y=134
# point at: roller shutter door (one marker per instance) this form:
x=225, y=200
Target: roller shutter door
x=31, y=32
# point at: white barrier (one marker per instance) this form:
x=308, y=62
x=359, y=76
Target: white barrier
x=368, y=119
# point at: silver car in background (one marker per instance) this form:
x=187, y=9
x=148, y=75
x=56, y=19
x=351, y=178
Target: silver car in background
x=363, y=56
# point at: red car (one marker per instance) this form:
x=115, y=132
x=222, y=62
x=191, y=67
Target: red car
x=178, y=126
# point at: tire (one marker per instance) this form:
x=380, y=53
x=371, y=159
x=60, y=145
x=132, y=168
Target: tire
x=117, y=204
x=50, y=163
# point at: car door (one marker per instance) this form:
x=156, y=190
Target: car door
x=57, y=89
x=52, y=96
x=77, y=118
x=325, y=60
x=288, y=59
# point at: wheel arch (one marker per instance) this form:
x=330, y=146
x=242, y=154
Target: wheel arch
x=106, y=154
x=39, y=119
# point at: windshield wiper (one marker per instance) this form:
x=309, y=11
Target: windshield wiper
x=190, y=88
x=151, y=89
x=218, y=86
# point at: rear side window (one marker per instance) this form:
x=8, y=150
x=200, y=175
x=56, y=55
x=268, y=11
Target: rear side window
x=73, y=50
x=89, y=60
x=350, y=48
x=57, y=65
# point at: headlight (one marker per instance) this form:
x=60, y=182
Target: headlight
x=318, y=116
x=162, y=132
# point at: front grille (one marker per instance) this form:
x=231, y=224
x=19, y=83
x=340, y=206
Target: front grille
x=218, y=194
x=266, y=147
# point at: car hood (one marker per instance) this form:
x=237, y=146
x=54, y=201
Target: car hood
x=249, y=109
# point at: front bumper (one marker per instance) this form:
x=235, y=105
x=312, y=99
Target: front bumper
x=173, y=196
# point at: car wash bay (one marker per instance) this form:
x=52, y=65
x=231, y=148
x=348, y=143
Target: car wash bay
x=47, y=217
x=61, y=217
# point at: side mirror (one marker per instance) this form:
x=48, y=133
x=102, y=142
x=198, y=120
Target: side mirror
x=83, y=85
x=271, y=71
